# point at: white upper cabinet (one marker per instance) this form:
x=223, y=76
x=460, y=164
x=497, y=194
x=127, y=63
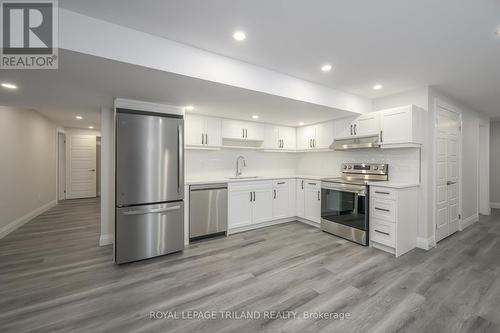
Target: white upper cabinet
x=318, y=136
x=344, y=127
x=324, y=134
x=279, y=137
x=202, y=131
x=367, y=124
x=242, y=130
x=363, y=125
x=402, y=125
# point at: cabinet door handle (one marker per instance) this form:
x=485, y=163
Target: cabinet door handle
x=243, y=133
x=314, y=143
x=381, y=232
x=381, y=140
x=281, y=183
x=250, y=196
x=274, y=194
x=202, y=139
x=246, y=133
x=351, y=129
x=253, y=196
x=302, y=184
x=355, y=129
x=319, y=195
x=380, y=192
x=382, y=209
x=313, y=184
x=206, y=138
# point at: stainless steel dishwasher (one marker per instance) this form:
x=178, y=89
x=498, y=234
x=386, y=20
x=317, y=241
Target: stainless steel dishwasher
x=207, y=211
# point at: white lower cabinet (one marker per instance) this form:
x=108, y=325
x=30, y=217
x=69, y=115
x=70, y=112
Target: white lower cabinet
x=393, y=219
x=300, y=198
x=249, y=203
x=308, y=200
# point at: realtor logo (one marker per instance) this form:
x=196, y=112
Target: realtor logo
x=29, y=34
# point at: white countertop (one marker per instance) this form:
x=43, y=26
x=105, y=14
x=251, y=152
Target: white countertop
x=393, y=184
x=214, y=180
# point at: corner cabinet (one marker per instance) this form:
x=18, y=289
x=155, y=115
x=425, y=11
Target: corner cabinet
x=280, y=138
x=402, y=125
x=202, y=131
x=319, y=136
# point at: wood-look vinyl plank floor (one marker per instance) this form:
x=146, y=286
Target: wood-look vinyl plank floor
x=55, y=278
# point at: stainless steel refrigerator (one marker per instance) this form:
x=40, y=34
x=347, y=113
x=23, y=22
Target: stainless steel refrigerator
x=149, y=185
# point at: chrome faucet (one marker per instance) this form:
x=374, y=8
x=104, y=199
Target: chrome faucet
x=238, y=167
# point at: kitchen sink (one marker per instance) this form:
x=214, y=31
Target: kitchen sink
x=243, y=177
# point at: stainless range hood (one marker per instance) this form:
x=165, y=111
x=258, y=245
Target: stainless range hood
x=355, y=143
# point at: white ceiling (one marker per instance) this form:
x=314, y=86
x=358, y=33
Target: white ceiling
x=84, y=83
x=403, y=44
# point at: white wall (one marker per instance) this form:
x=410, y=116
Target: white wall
x=495, y=163
x=107, y=177
x=27, y=167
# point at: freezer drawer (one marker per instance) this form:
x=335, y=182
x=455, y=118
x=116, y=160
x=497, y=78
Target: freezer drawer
x=149, y=230
x=207, y=210
x=149, y=159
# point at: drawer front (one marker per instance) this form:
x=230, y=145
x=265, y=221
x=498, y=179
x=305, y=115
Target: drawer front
x=382, y=192
x=281, y=183
x=250, y=185
x=383, y=209
x=312, y=184
x=383, y=232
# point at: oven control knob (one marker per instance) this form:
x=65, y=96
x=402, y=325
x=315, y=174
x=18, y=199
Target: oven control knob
x=349, y=167
x=375, y=168
x=345, y=166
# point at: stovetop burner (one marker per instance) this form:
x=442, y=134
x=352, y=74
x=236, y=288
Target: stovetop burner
x=361, y=173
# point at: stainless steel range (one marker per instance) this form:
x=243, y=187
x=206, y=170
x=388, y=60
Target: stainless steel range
x=345, y=201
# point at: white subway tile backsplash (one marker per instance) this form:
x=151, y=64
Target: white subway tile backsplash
x=403, y=163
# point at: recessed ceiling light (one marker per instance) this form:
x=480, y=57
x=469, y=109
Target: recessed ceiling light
x=377, y=87
x=301, y=123
x=79, y=117
x=190, y=108
x=91, y=127
x=326, y=68
x=9, y=85
x=239, y=35
x=255, y=116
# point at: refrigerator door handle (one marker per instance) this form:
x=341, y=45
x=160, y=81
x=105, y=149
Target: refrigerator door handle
x=152, y=211
x=180, y=157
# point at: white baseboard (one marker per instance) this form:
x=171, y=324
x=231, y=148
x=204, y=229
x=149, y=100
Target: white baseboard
x=106, y=239
x=311, y=223
x=467, y=222
x=4, y=231
x=495, y=205
x=426, y=243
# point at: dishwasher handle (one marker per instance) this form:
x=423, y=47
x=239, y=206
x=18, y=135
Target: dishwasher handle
x=208, y=187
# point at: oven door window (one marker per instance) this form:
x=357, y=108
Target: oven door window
x=344, y=207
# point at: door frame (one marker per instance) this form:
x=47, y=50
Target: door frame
x=58, y=170
x=483, y=187
x=439, y=103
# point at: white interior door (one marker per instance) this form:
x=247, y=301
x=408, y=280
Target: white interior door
x=447, y=173
x=81, y=166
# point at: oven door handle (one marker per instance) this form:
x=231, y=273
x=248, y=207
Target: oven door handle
x=345, y=189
